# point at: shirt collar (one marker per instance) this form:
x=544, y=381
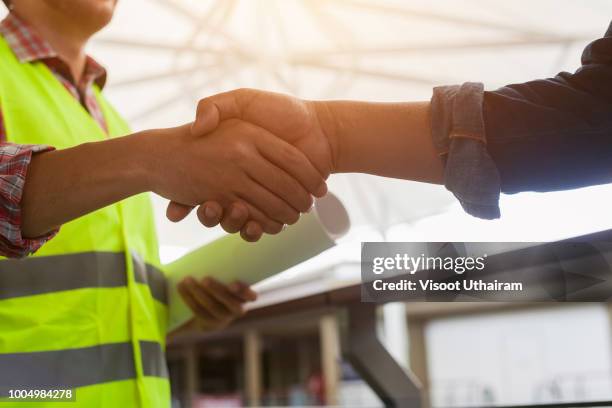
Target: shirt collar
x=29, y=46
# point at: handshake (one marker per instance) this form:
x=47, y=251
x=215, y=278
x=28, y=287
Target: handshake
x=252, y=161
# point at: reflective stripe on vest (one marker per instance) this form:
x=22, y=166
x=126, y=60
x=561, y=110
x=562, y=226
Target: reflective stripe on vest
x=35, y=276
x=72, y=368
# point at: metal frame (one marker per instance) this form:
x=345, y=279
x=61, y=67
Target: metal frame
x=395, y=386
x=350, y=68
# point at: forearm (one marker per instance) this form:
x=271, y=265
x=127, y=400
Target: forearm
x=65, y=184
x=228, y=166
x=385, y=139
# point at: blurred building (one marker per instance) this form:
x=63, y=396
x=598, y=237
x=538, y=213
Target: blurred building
x=294, y=349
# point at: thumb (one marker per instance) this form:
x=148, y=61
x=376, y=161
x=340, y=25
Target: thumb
x=177, y=212
x=207, y=118
x=214, y=110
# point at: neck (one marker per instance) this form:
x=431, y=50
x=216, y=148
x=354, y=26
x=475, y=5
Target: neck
x=66, y=39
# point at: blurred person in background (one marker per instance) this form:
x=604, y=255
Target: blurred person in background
x=85, y=309
x=542, y=135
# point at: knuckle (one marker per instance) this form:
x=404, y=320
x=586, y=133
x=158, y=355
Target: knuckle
x=243, y=92
x=240, y=91
x=233, y=154
x=240, y=150
x=202, y=103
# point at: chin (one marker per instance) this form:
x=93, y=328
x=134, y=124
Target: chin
x=95, y=13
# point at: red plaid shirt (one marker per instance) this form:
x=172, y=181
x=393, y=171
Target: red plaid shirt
x=29, y=47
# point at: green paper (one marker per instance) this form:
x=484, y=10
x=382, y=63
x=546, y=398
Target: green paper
x=231, y=259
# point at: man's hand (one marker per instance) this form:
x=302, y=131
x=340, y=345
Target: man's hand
x=295, y=121
x=214, y=304
x=240, y=164
x=248, y=175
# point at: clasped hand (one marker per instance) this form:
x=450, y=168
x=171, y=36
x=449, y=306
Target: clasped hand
x=262, y=158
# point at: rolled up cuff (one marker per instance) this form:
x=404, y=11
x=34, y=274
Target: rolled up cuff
x=458, y=132
x=14, y=164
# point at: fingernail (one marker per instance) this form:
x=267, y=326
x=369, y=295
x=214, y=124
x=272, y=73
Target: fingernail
x=210, y=213
x=251, y=230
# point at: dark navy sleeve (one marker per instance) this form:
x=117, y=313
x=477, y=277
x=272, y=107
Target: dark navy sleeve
x=554, y=134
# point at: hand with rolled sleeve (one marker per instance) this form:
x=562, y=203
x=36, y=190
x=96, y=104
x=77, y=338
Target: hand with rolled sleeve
x=387, y=139
x=542, y=135
x=238, y=163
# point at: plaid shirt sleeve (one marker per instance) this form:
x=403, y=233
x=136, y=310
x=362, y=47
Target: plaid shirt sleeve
x=14, y=162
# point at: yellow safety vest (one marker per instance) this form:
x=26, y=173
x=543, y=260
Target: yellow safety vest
x=88, y=311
